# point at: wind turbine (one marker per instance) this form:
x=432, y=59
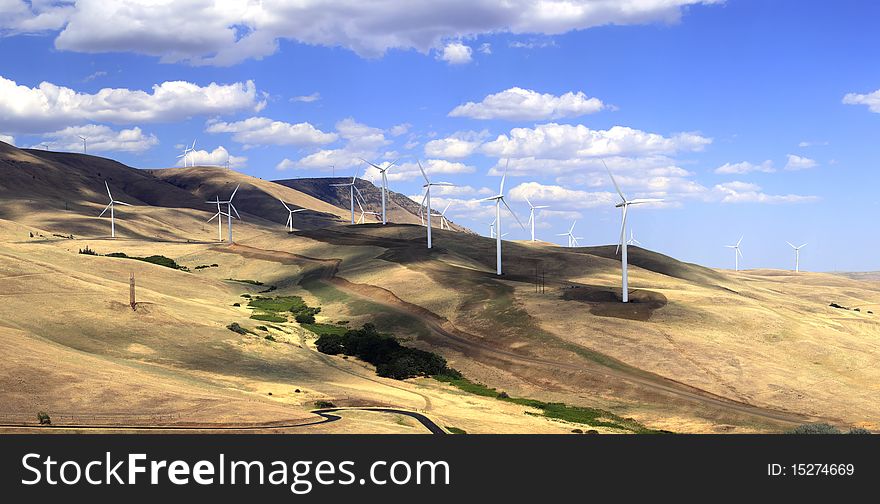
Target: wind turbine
x=290, y=215
x=84, y=142
x=632, y=239
x=382, y=171
x=499, y=200
x=112, y=214
x=186, y=151
x=737, y=253
x=443, y=221
x=351, y=189
x=230, y=208
x=621, y=244
x=427, y=197
x=797, y=256
x=45, y=145
x=572, y=241
x=532, y=209
x=219, y=216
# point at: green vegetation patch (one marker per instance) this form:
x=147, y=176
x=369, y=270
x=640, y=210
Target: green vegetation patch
x=234, y=327
x=251, y=282
x=158, y=260
x=392, y=360
x=455, y=430
x=269, y=317
x=322, y=329
x=203, y=266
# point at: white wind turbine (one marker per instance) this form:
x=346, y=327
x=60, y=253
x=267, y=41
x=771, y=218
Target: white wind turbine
x=444, y=223
x=737, y=253
x=351, y=189
x=186, y=151
x=290, y=215
x=797, y=256
x=230, y=208
x=84, y=142
x=632, y=239
x=499, y=200
x=383, y=172
x=532, y=209
x=112, y=214
x=427, y=198
x=572, y=240
x=219, y=216
x=492, y=229
x=621, y=244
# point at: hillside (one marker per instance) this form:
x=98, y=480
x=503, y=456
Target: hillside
x=698, y=350
x=398, y=207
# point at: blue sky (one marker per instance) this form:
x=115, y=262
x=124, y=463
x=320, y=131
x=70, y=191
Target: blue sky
x=748, y=117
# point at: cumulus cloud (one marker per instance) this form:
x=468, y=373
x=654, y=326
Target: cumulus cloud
x=400, y=129
x=455, y=53
x=216, y=157
x=18, y=16
x=361, y=141
x=485, y=48
x=565, y=141
x=871, y=100
x=563, y=197
x=100, y=138
x=7, y=139
x=458, y=145
x=204, y=32
x=746, y=192
x=799, y=163
x=264, y=131
x=307, y=98
x=517, y=103
x=745, y=167
x=48, y=106
x=436, y=169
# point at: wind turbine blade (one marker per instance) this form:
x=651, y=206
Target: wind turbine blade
x=233, y=192
x=513, y=214
x=790, y=245
x=622, y=229
x=374, y=165
x=617, y=187
x=572, y=226
x=108, y=190
x=122, y=203
x=740, y=240
x=541, y=206
x=638, y=201
x=802, y=246
x=529, y=202
x=507, y=165
x=299, y=210
x=285, y=205
x=738, y=251
x=427, y=180
x=445, y=209
x=216, y=215
x=234, y=210
x=105, y=209
x=359, y=193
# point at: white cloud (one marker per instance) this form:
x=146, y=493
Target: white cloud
x=455, y=53
x=745, y=192
x=100, y=138
x=400, y=129
x=18, y=16
x=48, y=106
x=517, y=103
x=216, y=157
x=485, y=48
x=532, y=44
x=7, y=139
x=799, y=163
x=361, y=141
x=436, y=169
x=871, y=100
x=806, y=143
x=224, y=33
x=307, y=98
x=745, y=167
x=561, y=197
x=565, y=141
x=458, y=145
x=95, y=75
x=264, y=131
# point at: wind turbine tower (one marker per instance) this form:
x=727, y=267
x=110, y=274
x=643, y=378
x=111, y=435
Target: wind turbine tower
x=621, y=243
x=499, y=200
x=112, y=214
x=797, y=256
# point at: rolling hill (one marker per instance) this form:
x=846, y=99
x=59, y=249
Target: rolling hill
x=699, y=350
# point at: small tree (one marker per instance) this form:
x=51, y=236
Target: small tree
x=44, y=419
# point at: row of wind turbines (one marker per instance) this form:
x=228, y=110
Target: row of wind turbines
x=356, y=197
